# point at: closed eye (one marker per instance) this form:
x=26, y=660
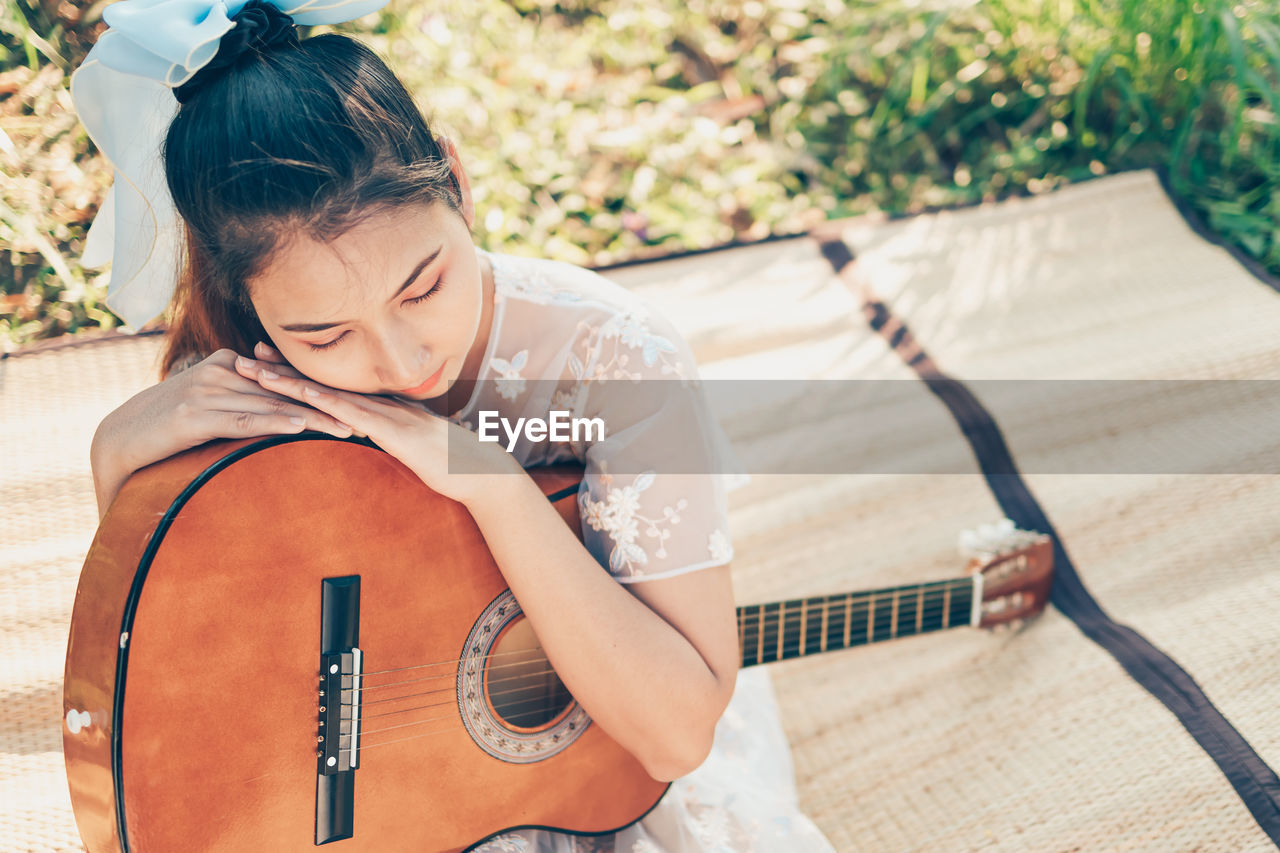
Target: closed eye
x=424, y=297
x=415, y=300
x=331, y=343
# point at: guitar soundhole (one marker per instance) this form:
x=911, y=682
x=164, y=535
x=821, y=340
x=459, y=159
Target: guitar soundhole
x=522, y=687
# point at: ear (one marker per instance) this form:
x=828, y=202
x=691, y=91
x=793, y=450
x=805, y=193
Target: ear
x=464, y=184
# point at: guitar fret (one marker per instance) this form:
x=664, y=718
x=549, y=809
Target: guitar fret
x=804, y=634
x=826, y=620
x=760, y=631
x=759, y=636
x=833, y=627
x=920, y=610
x=931, y=598
x=906, y=613
x=742, y=647
x=962, y=604
x=815, y=607
x=893, y=616
x=882, y=622
x=946, y=606
x=871, y=618
x=848, y=617
x=779, y=634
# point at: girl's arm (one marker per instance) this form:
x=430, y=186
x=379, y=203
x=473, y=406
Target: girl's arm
x=654, y=662
x=207, y=401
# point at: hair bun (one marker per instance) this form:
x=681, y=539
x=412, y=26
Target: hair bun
x=260, y=26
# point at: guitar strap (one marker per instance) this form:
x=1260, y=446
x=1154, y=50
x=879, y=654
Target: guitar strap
x=1253, y=779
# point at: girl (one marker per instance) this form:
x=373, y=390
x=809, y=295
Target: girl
x=329, y=282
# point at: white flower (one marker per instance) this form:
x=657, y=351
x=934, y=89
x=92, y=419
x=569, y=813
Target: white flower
x=592, y=512
x=719, y=546
x=630, y=326
x=509, y=387
x=625, y=531
x=624, y=502
x=509, y=383
x=633, y=331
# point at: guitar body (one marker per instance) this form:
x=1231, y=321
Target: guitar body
x=193, y=676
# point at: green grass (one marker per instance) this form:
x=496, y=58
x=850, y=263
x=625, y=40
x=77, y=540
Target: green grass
x=596, y=132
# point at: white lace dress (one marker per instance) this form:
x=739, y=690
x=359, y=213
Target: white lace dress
x=653, y=505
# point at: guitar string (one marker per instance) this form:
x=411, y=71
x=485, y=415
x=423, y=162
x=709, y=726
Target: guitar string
x=453, y=675
x=439, y=663
x=508, y=718
x=830, y=606
x=833, y=607
x=425, y=734
x=443, y=731
x=785, y=650
x=493, y=694
x=813, y=634
x=449, y=717
x=857, y=629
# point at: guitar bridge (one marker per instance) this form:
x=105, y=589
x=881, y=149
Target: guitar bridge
x=339, y=735
x=338, y=732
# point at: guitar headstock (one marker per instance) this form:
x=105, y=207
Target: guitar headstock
x=1016, y=567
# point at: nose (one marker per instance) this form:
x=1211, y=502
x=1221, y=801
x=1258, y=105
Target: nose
x=400, y=358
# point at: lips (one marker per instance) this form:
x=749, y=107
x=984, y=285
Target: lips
x=425, y=386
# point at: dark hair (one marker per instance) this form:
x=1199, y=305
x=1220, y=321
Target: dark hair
x=305, y=139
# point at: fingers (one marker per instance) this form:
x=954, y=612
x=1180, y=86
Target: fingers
x=248, y=424
x=355, y=410
x=278, y=411
x=266, y=353
x=248, y=368
x=259, y=410
x=254, y=371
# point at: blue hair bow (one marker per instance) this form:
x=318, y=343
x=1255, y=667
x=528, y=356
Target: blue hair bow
x=123, y=95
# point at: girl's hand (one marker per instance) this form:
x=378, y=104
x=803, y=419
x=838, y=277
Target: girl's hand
x=426, y=443
x=206, y=401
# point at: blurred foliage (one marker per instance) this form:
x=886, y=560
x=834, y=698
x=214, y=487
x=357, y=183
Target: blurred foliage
x=602, y=131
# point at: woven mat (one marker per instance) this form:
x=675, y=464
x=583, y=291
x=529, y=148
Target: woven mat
x=50, y=404
x=1034, y=739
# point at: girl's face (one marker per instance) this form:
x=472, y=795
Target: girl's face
x=392, y=306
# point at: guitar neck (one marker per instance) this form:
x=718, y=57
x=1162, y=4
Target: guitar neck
x=783, y=630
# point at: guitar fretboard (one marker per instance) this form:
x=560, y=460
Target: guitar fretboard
x=782, y=630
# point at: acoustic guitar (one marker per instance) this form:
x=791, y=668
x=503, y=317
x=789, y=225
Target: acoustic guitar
x=287, y=642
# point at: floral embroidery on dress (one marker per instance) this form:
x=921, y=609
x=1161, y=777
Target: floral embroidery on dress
x=719, y=546
x=509, y=383
x=530, y=279
x=619, y=516
x=630, y=328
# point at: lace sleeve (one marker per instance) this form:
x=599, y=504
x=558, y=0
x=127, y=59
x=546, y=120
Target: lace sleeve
x=652, y=500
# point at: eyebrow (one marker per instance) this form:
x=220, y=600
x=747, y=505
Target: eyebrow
x=320, y=327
